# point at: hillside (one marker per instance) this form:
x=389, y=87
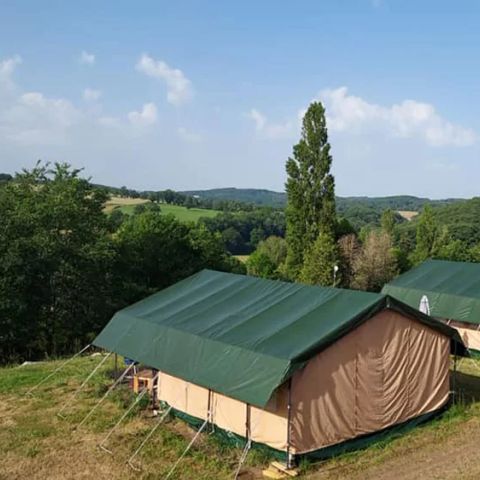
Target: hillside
x=36, y=444
x=263, y=197
x=460, y=218
x=278, y=199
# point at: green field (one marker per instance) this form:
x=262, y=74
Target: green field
x=188, y=214
x=36, y=444
x=127, y=206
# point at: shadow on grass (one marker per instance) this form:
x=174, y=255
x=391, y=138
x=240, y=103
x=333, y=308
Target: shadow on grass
x=468, y=388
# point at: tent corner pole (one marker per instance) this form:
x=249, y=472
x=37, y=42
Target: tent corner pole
x=289, y=416
x=454, y=382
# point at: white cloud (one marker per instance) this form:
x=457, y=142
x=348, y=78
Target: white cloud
x=91, y=95
x=190, y=137
x=179, y=87
x=36, y=119
x=86, y=58
x=408, y=119
x=353, y=115
x=147, y=116
x=8, y=66
x=259, y=119
x=270, y=130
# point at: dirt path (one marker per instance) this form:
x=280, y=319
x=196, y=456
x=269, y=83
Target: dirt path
x=434, y=456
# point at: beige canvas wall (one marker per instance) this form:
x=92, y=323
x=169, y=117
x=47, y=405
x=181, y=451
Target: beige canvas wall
x=386, y=371
x=469, y=334
x=268, y=426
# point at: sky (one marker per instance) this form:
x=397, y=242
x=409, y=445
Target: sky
x=196, y=95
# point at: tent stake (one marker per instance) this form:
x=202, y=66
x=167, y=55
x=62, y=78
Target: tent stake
x=117, y=381
x=51, y=374
x=150, y=433
x=73, y=396
x=188, y=447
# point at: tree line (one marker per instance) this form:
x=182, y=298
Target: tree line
x=172, y=197
x=320, y=248
x=66, y=266
x=64, y=270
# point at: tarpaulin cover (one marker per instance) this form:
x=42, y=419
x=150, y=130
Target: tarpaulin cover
x=238, y=335
x=452, y=288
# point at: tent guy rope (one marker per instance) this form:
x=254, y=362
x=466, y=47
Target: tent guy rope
x=150, y=433
x=192, y=441
x=117, y=381
x=135, y=402
x=51, y=374
x=74, y=394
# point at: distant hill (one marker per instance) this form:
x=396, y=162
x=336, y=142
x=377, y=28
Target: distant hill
x=248, y=195
x=5, y=178
x=278, y=199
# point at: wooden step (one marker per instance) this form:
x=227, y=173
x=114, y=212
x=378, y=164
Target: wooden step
x=272, y=472
x=291, y=472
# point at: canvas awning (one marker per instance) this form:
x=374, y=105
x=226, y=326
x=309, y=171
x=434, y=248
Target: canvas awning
x=242, y=336
x=452, y=289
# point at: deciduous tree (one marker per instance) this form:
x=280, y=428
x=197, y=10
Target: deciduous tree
x=319, y=262
x=376, y=264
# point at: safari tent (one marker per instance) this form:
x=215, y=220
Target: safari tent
x=301, y=369
x=450, y=291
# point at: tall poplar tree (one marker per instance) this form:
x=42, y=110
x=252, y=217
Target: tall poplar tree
x=427, y=233
x=310, y=190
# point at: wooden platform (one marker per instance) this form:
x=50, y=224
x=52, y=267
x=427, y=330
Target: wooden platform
x=278, y=471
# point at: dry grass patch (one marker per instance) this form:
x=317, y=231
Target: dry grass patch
x=115, y=202
x=408, y=214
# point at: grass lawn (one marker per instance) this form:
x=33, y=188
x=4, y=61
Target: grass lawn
x=36, y=444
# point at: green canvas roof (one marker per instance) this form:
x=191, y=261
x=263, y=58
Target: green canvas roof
x=238, y=335
x=452, y=288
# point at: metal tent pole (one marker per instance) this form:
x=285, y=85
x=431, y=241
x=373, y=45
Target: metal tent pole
x=73, y=396
x=289, y=415
x=454, y=386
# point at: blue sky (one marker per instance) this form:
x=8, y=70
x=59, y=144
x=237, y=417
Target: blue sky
x=191, y=95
